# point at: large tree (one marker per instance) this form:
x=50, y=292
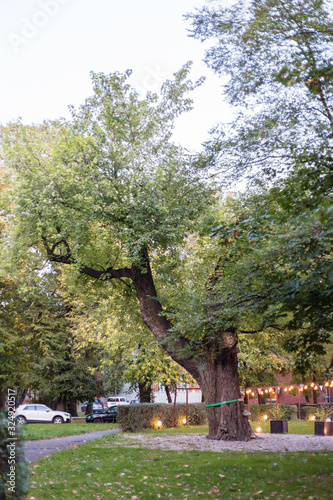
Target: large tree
x=106, y=194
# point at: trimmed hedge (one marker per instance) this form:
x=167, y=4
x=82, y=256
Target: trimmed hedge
x=290, y=412
x=146, y=415
x=14, y=473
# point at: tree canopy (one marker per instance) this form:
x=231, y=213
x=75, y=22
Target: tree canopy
x=278, y=58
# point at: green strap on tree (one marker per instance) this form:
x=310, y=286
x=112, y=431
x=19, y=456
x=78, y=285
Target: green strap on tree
x=224, y=403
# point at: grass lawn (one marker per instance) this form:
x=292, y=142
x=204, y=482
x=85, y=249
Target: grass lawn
x=294, y=427
x=32, y=432
x=106, y=469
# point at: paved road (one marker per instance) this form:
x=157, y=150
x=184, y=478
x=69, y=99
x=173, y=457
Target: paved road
x=34, y=450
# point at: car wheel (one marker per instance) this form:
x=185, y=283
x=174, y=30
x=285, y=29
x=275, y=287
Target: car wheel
x=58, y=420
x=21, y=420
x=97, y=420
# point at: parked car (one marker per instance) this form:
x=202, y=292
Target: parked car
x=97, y=406
x=40, y=414
x=116, y=401
x=108, y=415
x=134, y=402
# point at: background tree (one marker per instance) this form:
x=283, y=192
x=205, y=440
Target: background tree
x=38, y=348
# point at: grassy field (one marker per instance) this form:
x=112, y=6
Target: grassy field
x=107, y=469
x=32, y=432
x=294, y=427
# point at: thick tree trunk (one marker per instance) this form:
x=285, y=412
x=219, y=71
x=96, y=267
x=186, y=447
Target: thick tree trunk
x=61, y=405
x=144, y=393
x=73, y=408
x=21, y=397
x=89, y=408
x=261, y=398
x=221, y=383
x=167, y=392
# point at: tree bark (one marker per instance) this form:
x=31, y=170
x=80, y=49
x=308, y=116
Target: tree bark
x=144, y=393
x=61, y=405
x=220, y=384
x=22, y=396
x=73, y=408
x=167, y=392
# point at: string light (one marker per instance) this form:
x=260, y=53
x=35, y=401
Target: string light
x=301, y=387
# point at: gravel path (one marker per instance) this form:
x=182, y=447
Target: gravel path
x=34, y=450
x=263, y=442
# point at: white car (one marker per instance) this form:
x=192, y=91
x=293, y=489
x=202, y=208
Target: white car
x=117, y=401
x=40, y=414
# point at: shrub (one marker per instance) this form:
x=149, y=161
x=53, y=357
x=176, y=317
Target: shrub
x=324, y=411
x=258, y=412
x=290, y=412
x=321, y=412
x=309, y=411
x=146, y=415
x=12, y=462
x=283, y=411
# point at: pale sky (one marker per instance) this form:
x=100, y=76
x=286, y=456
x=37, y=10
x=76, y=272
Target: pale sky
x=48, y=48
